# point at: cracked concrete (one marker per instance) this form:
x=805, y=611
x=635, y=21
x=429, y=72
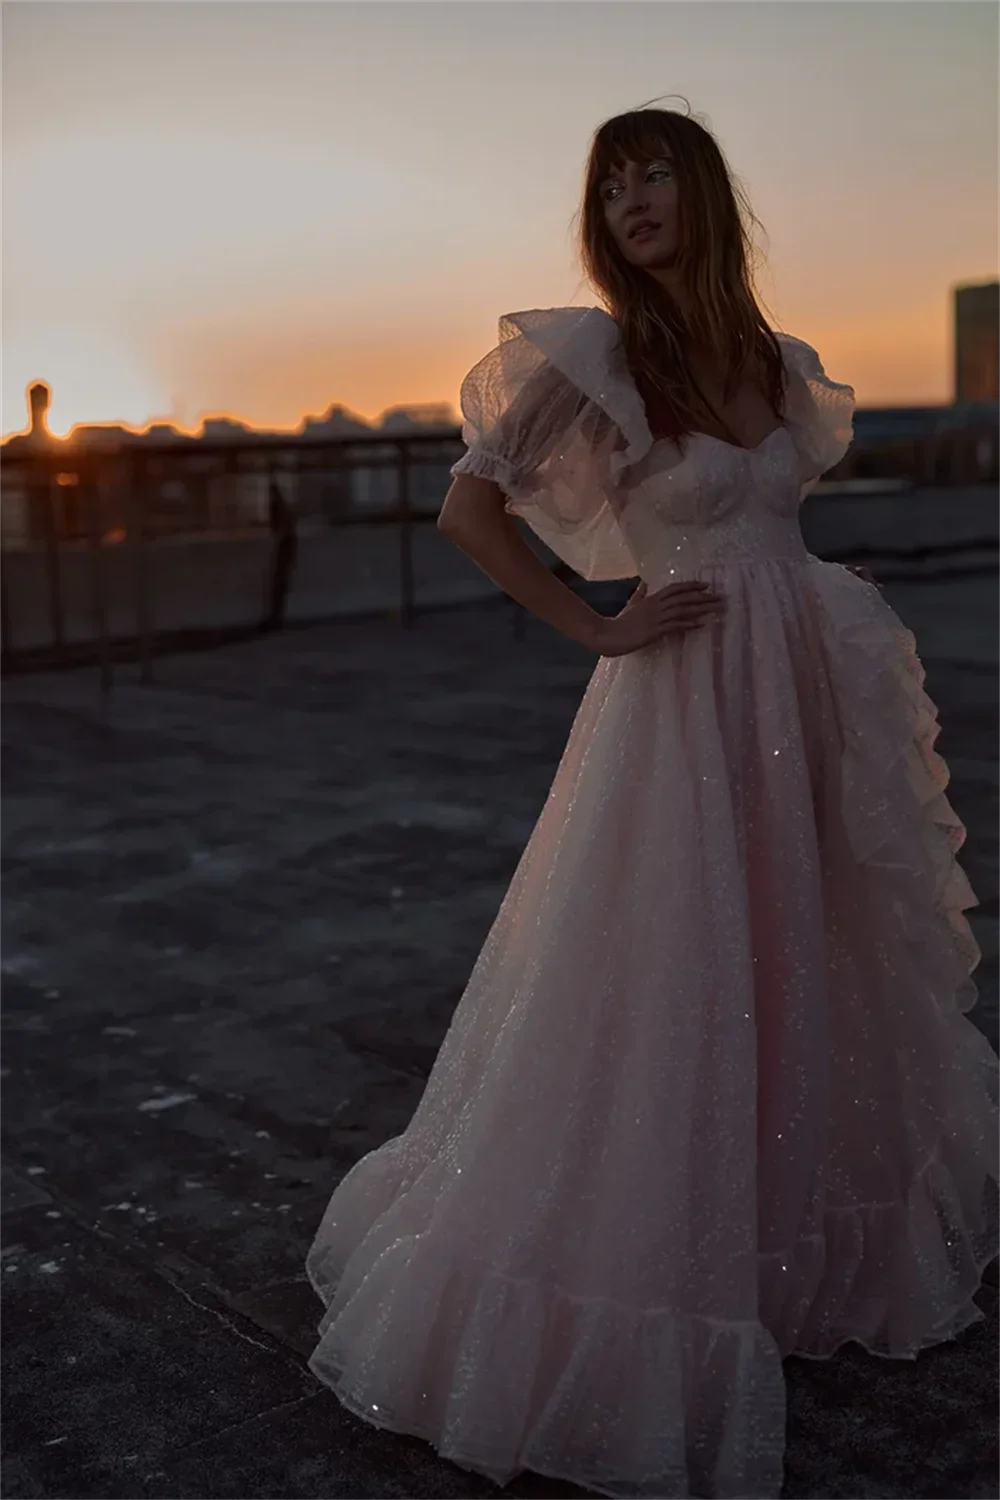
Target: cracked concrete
x=240, y=906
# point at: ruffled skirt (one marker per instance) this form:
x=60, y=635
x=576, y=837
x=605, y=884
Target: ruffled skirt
x=711, y=1096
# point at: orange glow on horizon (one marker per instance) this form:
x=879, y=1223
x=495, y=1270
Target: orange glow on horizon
x=278, y=370
x=892, y=353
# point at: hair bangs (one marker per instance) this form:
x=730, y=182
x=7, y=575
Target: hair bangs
x=641, y=137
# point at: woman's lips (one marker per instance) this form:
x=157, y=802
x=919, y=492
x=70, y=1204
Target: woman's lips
x=644, y=231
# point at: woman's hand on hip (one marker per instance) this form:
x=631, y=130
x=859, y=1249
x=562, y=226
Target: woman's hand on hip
x=673, y=610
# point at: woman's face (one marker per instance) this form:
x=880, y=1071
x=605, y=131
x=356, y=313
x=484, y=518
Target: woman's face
x=643, y=194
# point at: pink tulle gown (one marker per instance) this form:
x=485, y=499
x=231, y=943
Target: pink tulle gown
x=711, y=1096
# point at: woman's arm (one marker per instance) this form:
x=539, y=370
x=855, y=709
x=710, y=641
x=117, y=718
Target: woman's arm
x=473, y=516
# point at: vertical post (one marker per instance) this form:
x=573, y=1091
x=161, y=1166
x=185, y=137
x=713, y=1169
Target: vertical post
x=285, y=548
x=984, y=455
x=407, y=611
x=135, y=479
x=42, y=502
x=92, y=500
x=6, y=641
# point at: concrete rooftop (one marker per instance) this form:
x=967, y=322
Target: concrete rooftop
x=241, y=904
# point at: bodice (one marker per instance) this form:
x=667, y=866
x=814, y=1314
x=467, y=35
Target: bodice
x=715, y=505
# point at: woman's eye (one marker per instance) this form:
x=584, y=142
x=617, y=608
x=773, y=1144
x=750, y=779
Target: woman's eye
x=609, y=191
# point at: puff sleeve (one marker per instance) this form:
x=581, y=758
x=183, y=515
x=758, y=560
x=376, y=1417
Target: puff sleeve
x=547, y=418
x=819, y=412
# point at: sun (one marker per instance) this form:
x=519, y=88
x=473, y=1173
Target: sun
x=93, y=378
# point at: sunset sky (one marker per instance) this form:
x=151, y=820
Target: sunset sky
x=258, y=209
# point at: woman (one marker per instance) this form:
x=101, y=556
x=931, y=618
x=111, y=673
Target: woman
x=710, y=1097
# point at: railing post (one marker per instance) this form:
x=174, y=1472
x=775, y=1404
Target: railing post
x=930, y=458
x=6, y=642
x=41, y=490
x=135, y=479
x=407, y=610
x=283, y=532
x=92, y=501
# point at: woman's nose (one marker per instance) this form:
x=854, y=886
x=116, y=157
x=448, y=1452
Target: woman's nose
x=635, y=198
x=635, y=209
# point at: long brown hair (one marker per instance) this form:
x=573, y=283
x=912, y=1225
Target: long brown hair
x=715, y=259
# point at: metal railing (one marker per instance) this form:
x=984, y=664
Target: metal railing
x=90, y=513
x=102, y=501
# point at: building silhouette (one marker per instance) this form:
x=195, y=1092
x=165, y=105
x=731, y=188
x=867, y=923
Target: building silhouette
x=977, y=348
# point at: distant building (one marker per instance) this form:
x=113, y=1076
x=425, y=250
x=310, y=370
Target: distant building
x=977, y=348
x=337, y=422
x=101, y=435
x=418, y=418
x=954, y=444
x=37, y=435
x=222, y=429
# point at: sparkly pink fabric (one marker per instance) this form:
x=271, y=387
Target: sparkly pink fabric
x=711, y=1096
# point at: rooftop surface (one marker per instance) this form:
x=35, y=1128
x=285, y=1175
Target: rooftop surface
x=241, y=904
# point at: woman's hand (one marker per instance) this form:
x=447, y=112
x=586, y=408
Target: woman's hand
x=865, y=576
x=676, y=609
